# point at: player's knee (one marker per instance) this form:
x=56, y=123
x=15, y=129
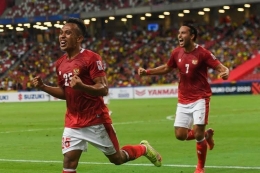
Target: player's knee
x=199, y=137
x=181, y=137
x=117, y=159
x=199, y=133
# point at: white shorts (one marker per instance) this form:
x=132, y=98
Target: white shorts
x=101, y=136
x=106, y=99
x=190, y=114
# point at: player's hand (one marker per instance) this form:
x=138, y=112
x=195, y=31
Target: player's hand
x=224, y=75
x=37, y=82
x=141, y=71
x=76, y=82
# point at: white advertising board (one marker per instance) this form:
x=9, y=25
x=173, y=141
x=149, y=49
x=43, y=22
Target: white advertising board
x=121, y=93
x=164, y=91
x=34, y=96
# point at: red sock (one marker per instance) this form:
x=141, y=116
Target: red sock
x=134, y=151
x=190, y=135
x=69, y=171
x=201, y=153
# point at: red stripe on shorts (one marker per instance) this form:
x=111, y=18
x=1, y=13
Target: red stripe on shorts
x=112, y=135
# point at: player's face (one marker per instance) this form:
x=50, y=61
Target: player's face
x=185, y=37
x=69, y=37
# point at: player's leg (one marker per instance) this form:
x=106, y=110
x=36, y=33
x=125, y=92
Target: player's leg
x=71, y=160
x=72, y=147
x=151, y=154
x=132, y=152
x=201, y=147
x=200, y=116
x=128, y=152
x=183, y=124
x=209, y=138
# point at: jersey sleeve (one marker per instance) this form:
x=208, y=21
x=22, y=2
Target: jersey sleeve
x=211, y=60
x=96, y=68
x=171, y=62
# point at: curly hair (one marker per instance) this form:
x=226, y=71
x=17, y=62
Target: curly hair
x=80, y=24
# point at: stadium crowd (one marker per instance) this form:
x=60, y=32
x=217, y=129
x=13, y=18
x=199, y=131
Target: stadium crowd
x=22, y=57
x=30, y=8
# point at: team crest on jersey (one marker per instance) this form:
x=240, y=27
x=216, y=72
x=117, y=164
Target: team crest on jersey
x=100, y=66
x=76, y=71
x=194, y=61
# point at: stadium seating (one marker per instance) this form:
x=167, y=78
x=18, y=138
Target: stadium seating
x=29, y=8
x=122, y=52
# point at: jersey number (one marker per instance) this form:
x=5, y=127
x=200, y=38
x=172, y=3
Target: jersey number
x=65, y=142
x=187, y=67
x=67, y=78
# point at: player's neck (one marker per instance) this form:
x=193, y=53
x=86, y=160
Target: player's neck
x=73, y=54
x=190, y=48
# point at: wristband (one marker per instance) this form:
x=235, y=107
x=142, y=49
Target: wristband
x=148, y=72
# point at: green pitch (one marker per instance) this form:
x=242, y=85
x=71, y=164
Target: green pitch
x=30, y=135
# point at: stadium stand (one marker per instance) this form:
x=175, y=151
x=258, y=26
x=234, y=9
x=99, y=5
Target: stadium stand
x=29, y=8
x=22, y=56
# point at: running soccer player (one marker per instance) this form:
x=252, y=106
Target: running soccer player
x=82, y=83
x=194, y=91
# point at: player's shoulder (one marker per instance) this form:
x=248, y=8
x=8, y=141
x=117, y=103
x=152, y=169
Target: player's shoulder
x=88, y=52
x=177, y=50
x=202, y=49
x=205, y=52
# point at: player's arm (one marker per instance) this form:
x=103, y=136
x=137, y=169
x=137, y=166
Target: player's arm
x=57, y=92
x=100, y=88
x=160, y=70
x=223, y=71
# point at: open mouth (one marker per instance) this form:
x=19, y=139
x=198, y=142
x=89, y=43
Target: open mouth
x=63, y=43
x=181, y=42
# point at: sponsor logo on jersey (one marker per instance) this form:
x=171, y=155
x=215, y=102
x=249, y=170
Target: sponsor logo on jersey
x=194, y=61
x=76, y=71
x=100, y=66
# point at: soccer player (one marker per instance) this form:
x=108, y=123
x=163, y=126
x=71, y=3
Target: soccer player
x=82, y=83
x=192, y=62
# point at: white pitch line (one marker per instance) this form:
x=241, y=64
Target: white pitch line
x=33, y=130
x=29, y=130
x=131, y=164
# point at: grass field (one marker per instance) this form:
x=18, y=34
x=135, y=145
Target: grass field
x=30, y=135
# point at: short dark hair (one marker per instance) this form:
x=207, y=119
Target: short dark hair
x=193, y=30
x=80, y=24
